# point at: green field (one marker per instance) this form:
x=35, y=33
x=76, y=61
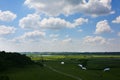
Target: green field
x=54, y=70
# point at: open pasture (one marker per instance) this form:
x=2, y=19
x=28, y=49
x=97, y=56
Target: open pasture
x=54, y=70
x=95, y=65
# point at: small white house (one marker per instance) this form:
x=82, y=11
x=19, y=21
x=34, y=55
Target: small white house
x=106, y=69
x=62, y=63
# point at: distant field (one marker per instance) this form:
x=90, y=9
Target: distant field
x=54, y=70
x=53, y=57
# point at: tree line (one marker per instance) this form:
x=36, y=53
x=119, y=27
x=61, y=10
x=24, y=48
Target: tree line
x=73, y=53
x=13, y=59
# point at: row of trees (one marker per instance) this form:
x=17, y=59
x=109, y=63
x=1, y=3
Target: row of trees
x=9, y=59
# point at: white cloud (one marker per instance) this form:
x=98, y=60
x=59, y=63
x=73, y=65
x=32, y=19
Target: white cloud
x=80, y=21
x=77, y=45
x=58, y=23
x=96, y=40
x=102, y=27
x=54, y=35
x=33, y=21
x=55, y=23
x=30, y=21
x=117, y=20
x=7, y=16
x=110, y=45
x=56, y=7
x=34, y=34
x=68, y=40
x=97, y=7
x=31, y=36
x=118, y=33
x=5, y=30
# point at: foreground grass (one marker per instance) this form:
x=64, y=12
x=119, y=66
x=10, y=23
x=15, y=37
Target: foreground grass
x=34, y=73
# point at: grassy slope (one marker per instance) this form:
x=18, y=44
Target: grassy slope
x=34, y=73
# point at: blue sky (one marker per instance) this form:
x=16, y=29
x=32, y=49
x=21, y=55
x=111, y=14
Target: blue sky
x=60, y=25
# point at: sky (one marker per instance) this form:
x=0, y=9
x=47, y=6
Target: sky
x=60, y=25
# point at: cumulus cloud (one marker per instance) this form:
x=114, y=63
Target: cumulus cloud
x=55, y=23
x=80, y=21
x=58, y=23
x=31, y=36
x=7, y=16
x=102, y=27
x=96, y=39
x=56, y=7
x=117, y=20
x=30, y=21
x=97, y=7
x=33, y=21
x=5, y=30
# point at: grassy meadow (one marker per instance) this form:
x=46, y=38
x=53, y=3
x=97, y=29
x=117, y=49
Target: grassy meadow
x=54, y=70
